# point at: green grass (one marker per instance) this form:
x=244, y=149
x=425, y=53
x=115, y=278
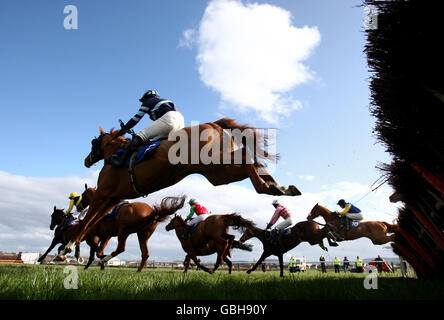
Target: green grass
x=40, y=282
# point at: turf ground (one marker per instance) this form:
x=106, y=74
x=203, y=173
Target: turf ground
x=48, y=282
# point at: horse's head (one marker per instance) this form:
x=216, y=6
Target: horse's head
x=175, y=222
x=56, y=218
x=319, y=210
x=314, y=213
x=104, y=145
x=87, y=196
x=248, y=234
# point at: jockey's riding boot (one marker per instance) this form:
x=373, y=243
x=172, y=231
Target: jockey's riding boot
x=118, y=161
x=274, y=236
x=186, y=232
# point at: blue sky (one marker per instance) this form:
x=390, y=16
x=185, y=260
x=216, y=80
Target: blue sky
x=57, y=86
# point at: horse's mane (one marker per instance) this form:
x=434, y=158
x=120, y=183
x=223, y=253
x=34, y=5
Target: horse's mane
x=324, y=208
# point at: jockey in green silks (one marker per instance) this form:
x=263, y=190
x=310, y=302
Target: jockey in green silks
x=197, y=214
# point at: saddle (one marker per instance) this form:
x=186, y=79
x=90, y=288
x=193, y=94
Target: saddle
x=352, y=224
x=141, y=154
x=194, y=228
x=283, y=232
x=70, y=223
x=112, y=214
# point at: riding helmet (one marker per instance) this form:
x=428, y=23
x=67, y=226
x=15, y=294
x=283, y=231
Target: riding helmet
x=149, y=94
x=73, y=195
x=192, y=201
x=341, y=202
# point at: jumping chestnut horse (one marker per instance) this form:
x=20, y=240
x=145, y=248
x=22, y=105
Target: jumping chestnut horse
x=158, y=172
x=376, y=231
x=304, y=231
x=210, y=236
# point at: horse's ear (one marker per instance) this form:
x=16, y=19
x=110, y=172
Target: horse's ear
x=55, y=208
x=86, y=186
x=101, y=130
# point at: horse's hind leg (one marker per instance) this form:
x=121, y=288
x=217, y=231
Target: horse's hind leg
x=186, y=263
x=93, y=245
x=229, y=264
x=223, y=246
x=143, y=243
x=120, y=248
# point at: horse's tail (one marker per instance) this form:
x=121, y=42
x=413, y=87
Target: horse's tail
x=391, y=228
x=237, y=222
x=242, y=246
x=167, y=207
x=255, y=148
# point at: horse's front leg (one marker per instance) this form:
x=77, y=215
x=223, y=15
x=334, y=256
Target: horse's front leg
x=281, y=264
x=53, y=244
x=193, y=256
x=90, y=219
x=262, y=258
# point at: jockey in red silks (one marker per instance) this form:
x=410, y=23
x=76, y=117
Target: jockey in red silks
x=283, y=212
x=201, y=213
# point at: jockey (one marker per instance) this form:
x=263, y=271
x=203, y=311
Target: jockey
x=201, y=213
x=75, y=200
x=283, y=212
x=166, y=118
x=349, y=211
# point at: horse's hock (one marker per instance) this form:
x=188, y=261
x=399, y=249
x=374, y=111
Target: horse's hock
x=407, y=99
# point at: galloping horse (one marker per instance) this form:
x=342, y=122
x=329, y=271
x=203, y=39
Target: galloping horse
x=376, y=231
x=135, y=217
x=304, y=231
x=61, y=235
x=158, y=172
x=210, y=236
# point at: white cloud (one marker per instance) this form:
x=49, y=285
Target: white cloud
x=28, y=202
x=253, y=56
x=188, y=39
x=308, y=178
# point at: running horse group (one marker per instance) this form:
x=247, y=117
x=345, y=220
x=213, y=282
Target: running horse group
x=157, y=172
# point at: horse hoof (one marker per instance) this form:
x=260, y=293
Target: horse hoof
x=275, y=191
x=248, y=271
x=60, y=258
x=293, y=191
x=334, y=244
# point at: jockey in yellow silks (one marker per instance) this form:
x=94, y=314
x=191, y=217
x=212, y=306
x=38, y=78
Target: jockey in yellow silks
x=75, y=200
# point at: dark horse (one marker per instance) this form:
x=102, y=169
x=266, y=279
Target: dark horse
x=376, y=231
x=62, y=235
x=308, y=231
x=99, y=234
x=227, y=165
x=211, y=236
